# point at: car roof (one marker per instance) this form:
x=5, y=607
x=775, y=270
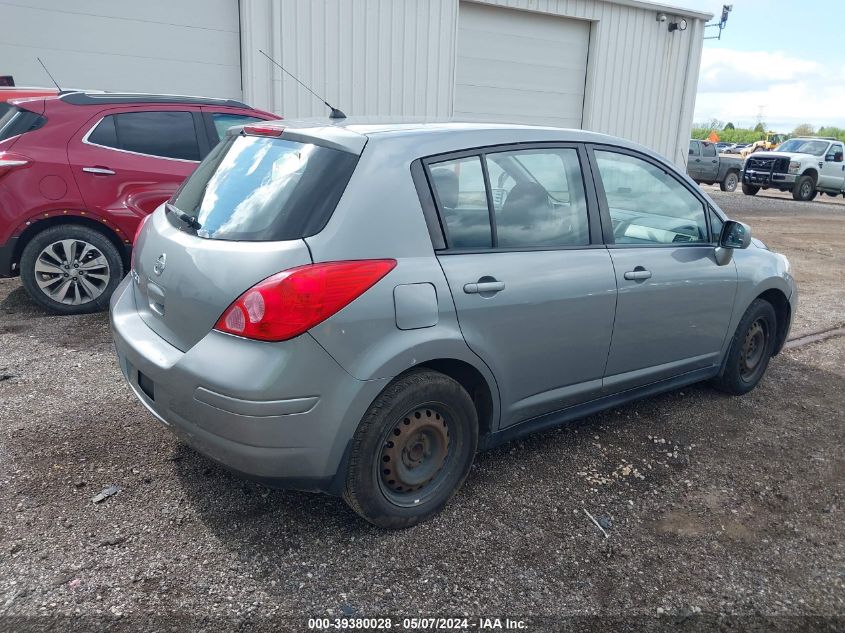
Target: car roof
x=106, y=98
x=427, y=137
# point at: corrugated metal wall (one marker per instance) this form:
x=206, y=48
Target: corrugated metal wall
x=367, y=57
x=397, y=58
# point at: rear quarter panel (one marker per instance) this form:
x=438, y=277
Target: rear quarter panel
x=379, y=216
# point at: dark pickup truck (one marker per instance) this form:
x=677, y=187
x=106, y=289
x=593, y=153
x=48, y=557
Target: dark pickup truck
x=706, y=165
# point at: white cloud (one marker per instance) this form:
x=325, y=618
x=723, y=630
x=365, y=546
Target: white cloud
x=734, y=85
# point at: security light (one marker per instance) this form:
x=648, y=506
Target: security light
x=680, y=25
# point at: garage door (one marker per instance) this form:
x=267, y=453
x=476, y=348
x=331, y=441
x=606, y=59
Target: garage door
x=520, y=67
x=182, y=47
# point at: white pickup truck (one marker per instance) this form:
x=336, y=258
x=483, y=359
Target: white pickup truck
x=804, y=166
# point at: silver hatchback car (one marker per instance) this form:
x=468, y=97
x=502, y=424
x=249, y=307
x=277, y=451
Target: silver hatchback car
x=358, y=309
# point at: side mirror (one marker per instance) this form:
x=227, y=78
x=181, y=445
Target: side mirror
x=735, y=235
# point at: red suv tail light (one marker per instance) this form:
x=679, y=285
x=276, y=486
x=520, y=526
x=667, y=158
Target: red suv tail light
x=10, y=162
x=293, y=301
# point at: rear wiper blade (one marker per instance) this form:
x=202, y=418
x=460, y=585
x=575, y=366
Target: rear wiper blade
x=190, y=220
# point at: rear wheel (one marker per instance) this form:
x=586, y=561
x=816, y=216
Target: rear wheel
x=750, y=350
x=71, y=269
x=412, y=450
x=804, y=189
x=750, y=190
x=729, y=182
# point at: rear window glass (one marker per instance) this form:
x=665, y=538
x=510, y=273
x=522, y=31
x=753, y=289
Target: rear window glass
x=18, y=121
x=254, y=188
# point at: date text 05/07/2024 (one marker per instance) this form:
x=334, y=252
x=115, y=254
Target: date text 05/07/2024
x=418, y=624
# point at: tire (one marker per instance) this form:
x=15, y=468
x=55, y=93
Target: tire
x=750, y=350
x=750, y=190
x=87, y=286
x=729, y=182
x=804, y=189
x=399, y=484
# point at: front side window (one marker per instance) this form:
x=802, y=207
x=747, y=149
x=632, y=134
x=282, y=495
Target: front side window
x=538, y=198
x=462, y=199
x=694, y=148
x=835, y=153
x=647, y=205
x=163, y=134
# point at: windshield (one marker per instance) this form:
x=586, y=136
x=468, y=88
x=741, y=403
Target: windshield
x=803, y=146
x=255, y=188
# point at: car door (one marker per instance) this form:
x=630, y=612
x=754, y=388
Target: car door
x=674, y=300
x=130, y=160
x=533, y=286
x=832, y=172
x=709, y=166
x=694, y=160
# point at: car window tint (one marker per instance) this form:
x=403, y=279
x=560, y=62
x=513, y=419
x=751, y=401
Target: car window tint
x=709, y=149
x=538, y=198
x=223, y=121
x=165, y=134
x=693, y=148
x=462, y=198
x=104, y=133
x=646, y=204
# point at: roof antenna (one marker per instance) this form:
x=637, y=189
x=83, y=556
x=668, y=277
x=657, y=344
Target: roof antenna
x=49, y=75
x=336, y=114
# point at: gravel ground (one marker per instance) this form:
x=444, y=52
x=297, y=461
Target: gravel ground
x=720, y=511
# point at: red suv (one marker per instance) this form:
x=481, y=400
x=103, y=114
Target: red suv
x=78, y=173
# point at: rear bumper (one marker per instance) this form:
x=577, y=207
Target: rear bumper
x=7, y=252
x=282, y=413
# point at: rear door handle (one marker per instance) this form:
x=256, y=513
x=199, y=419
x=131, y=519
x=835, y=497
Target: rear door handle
x=102, y=171
x=483, y=287
x=639, y=273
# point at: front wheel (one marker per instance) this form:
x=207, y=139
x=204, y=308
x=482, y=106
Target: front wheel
x=730, y=182
x=750, y=190
x=750, y=350
x=71, y=269
x=412, y=451
x=804, y=189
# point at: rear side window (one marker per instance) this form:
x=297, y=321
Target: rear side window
x=255, y=188
x=709, y=150
x=462, y=198
x=163, y=134
x=17, y=121
x=536, y=199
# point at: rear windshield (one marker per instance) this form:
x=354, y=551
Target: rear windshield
x=256, y=188
x=15, y=120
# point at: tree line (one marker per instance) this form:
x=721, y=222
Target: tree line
x=729, y=133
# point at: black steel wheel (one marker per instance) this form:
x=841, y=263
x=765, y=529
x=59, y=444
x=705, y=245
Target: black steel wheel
x=750, y=350
x=412, y=451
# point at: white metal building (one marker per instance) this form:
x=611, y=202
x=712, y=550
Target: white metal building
x=605, y=65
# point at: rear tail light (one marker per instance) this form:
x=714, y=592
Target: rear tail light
x=10, y=161
x=293, y=301
x=135, y=240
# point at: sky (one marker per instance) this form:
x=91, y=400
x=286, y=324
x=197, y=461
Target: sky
x=785, y=57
